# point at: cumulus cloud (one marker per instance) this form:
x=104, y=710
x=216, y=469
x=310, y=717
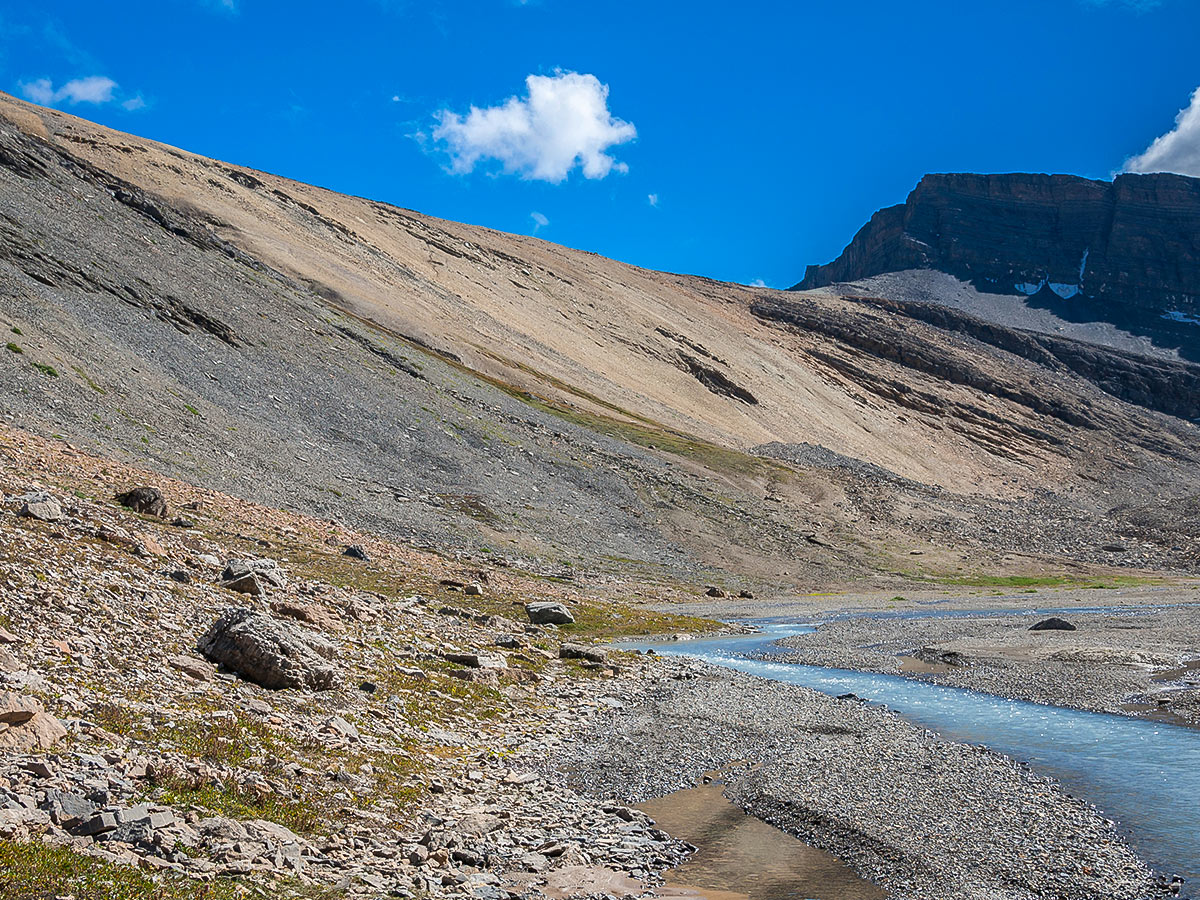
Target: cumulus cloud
x=1176, y=151
x=758, y=282
x=562, y=122
x=93, y=89
x=539, y=221
x=652, y=199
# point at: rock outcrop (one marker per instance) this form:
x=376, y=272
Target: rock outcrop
x=269, y=652
x=1124, y=252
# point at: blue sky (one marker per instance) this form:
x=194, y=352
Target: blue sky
x=739, y=141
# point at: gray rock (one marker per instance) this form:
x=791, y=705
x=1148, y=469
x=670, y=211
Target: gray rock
x=267, y=651
x=146, y=500
x=68, y=809
x=581, y=651
x=42, y=507
x=548, y=612
x=245, y=583
x=139, y=832
x=154, y=816
x=338, y=725
x=355, y=551
x=249, y=576
x=8, y=662
x=99, y=823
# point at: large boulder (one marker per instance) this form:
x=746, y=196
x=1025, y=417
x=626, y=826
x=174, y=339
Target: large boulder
x=25, y=724
x=548, y=612
x=583, y=651
x=1054, y=623
x=268, y=651
x=146, y=500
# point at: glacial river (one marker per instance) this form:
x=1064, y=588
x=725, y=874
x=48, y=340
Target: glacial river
x=1143, y=774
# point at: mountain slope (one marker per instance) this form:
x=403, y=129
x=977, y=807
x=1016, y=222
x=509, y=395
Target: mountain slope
x=467, y=388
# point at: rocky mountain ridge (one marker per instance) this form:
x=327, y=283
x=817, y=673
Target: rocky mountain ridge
x=1125, y=252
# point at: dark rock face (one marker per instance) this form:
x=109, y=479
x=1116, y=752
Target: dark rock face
x=1125, y=252
x=146, y=500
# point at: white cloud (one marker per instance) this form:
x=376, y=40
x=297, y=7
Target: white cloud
x=40, y=91
x=539, y=221
x=134, y=103
x=93, y=89
x=758, y=282
x=562, y=122
x=1176, y=151
x=652, y=199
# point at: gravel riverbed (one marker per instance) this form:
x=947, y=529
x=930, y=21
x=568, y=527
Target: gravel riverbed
x=924, y=817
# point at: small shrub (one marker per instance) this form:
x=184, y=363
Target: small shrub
x=45, y=369
x=15, y=348
x=16, y=330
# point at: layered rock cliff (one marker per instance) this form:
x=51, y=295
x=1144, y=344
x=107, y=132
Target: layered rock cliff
x=1125, y=252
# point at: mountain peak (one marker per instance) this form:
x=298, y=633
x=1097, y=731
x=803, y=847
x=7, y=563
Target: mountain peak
x=1124, y=252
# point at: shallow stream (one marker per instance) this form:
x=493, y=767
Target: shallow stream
x=1143, y=774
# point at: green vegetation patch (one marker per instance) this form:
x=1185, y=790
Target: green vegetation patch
x=224, y=738
x=45, y=369
x=1097, y=582
x=90, y=383
x=233, y=801
x=612, y=620
x=14, y=348
x=37, y=871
